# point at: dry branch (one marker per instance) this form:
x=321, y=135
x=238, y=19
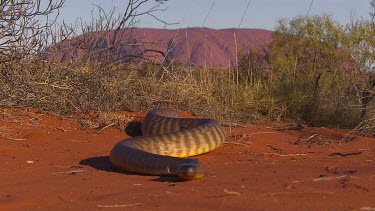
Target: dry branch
x=7, y=136
x=120, y=205
x=107, y=126
x=344, y=154
x=287, y=155
x=22, y=32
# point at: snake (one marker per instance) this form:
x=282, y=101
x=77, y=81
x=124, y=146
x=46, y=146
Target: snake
x=167, y=142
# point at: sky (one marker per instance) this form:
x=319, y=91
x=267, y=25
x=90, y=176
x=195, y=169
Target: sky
x=219, y=14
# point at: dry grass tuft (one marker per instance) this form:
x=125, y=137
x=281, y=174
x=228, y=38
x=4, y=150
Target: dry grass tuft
x=84, y=89
x=312, y=139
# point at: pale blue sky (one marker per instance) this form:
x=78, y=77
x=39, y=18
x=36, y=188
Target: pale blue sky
x=225, y=13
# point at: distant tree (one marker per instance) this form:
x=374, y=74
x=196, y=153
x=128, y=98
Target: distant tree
x=361, y=43
x=318, y=70
x=322, y=65
x=253, y=66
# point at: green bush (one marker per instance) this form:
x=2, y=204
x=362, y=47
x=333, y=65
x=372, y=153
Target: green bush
x=318, y=70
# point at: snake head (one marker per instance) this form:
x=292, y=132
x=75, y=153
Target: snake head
x=189, y=171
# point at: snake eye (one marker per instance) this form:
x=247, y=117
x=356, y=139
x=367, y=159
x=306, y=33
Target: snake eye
x=189, y=171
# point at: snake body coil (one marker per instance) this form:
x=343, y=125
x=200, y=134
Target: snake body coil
x=168, y=138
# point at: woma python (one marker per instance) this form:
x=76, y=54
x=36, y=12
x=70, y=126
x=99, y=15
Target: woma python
x=168, y=139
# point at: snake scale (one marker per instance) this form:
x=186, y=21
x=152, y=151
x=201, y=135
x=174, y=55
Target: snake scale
x=166, y=142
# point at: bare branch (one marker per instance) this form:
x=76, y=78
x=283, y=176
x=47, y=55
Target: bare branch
x=110, y=32
x=22, y=29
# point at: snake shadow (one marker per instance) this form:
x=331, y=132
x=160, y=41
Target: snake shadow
x=103, y=163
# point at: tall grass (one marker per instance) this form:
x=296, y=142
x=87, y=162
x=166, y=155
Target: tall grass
x=67, y=91
x=204, y=92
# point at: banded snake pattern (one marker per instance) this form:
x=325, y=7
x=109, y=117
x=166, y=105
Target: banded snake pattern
x=166, y=142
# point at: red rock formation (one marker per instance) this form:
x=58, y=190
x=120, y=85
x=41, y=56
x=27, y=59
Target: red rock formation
x=189, y=46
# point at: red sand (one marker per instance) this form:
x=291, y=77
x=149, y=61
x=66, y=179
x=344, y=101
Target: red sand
x=51, y=164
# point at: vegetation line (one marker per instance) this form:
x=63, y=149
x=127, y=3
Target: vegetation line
x=315, y=71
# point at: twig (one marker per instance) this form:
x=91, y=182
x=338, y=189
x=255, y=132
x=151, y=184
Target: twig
x=312, y=192
x=169, y=102
x=72, y=172
x=331, y=178
x=243, y=137
x=345, y=154
x=367, y=208
x=236, y=143
x=62, y=199
x=292, y=126
x=231, y=192
x=10, y=138
x=313, y=139
x=232, y=124
x=265, y=133
x=274, y=148
x=79, y=141
x=107, y=126
x=287, y=155
x=120, y=205
x=55, y=86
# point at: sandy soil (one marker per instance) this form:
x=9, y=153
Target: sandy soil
x=48, y=163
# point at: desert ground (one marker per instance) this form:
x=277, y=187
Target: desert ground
x=51, y=163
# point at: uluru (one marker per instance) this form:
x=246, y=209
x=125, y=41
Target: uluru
x=188, y=46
